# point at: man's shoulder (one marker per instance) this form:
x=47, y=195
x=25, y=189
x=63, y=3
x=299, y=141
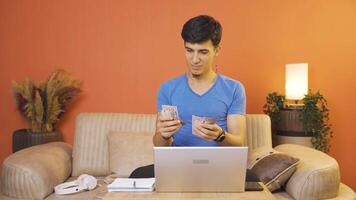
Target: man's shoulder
x=230, y=81
x=174, y=81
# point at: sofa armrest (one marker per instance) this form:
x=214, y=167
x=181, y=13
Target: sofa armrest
x=317, y=175
x=33, y=172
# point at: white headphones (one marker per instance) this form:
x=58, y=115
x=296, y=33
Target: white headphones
x=84, y=182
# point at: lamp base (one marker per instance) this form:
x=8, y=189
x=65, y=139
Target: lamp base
x=294, y=104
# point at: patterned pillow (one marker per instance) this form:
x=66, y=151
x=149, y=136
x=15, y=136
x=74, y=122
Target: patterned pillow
x=273, y=168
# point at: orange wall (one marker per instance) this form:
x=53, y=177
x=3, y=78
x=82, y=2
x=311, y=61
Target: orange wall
x=123, y=50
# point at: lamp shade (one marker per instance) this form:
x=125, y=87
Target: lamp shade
x=296, y=81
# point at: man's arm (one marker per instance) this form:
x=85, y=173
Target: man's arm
x=233, y=134
x=158, y=140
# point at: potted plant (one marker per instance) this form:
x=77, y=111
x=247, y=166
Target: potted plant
x=43, y=105
x=310, y=120
x=273, y=107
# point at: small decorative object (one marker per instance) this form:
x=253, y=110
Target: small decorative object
x=312, y=118
x=43, y=105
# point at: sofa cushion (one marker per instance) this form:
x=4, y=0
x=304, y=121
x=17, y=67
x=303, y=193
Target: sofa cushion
x=273, y=168
x=91, y=130
x=33, y=172
x=257, y=129
x=317, y=176
x=128, y=150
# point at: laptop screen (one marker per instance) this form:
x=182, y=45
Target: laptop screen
x=200, y=169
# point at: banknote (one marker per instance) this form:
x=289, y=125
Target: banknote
x=196, y=120
x=170, y=112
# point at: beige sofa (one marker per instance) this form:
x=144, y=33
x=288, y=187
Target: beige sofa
x=33, y=172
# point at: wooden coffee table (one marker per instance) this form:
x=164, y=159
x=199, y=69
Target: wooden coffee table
x=260, y=195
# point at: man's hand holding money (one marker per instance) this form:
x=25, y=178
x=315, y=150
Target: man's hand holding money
x=168, y=122
x=206, y=128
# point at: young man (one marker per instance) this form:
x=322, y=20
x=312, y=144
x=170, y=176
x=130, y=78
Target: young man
x=201, y=92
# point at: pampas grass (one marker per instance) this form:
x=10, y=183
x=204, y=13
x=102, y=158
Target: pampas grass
x=45, y=103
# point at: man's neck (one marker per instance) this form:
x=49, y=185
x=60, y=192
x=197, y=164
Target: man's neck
x=201, y=84
x=202, y=79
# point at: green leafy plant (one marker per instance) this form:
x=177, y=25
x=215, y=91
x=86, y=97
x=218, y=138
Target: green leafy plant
x=275, y=103
x=43, y=104
x=314, y=116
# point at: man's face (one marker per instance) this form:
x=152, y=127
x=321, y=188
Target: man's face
x=200, y=57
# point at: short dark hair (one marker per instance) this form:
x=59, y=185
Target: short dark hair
x=202, y=28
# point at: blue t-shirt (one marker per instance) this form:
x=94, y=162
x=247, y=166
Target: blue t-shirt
x=225, y=97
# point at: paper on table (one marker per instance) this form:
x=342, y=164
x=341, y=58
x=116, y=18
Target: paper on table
x=132, y=184
x=131, y=190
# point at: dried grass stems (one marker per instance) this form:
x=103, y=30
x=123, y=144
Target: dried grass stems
x=44, y=104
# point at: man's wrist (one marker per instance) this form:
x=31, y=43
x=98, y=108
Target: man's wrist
x=166, y=138
x=221, y=136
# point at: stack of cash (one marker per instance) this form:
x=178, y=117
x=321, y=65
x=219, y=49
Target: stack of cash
x=170, y=112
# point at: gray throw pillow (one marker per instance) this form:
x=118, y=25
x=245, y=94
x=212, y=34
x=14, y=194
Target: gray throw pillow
x=273, y=168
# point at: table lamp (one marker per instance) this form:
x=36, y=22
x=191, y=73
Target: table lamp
x=296, y=83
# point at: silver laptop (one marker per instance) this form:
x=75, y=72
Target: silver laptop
x=200, y=169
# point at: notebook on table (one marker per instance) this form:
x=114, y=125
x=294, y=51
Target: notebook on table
x=132, y=185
